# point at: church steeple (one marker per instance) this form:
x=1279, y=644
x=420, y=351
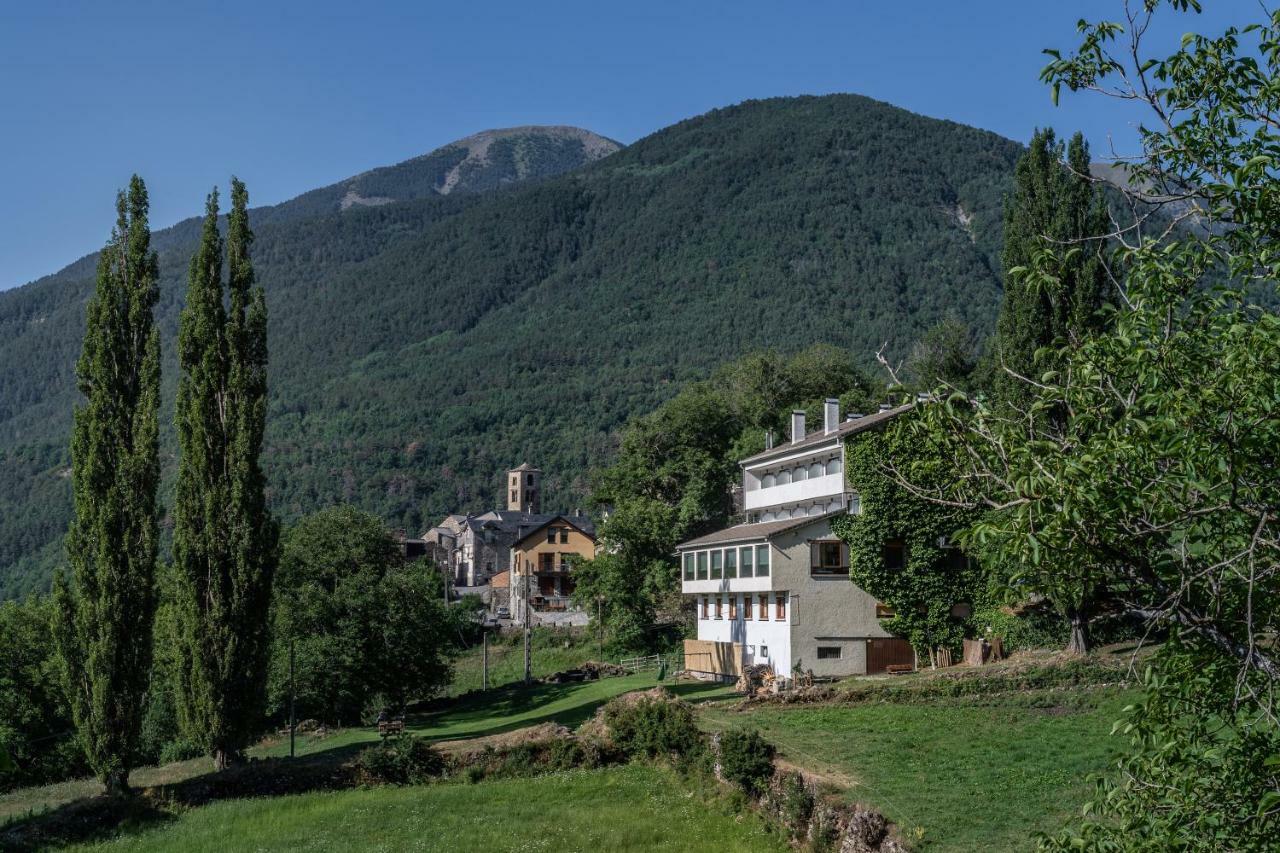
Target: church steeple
x=524, y=489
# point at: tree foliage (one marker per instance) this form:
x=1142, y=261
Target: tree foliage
x=364, y=626
x=103, y=624
x=36, y=729
x=1151, y=447
x=224, y=541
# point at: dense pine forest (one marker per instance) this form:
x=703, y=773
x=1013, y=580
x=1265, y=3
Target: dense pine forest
x=423, y=344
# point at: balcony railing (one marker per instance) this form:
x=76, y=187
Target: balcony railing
x=827, y=486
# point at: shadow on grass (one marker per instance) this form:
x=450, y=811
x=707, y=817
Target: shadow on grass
x=96, y=818
x=325, y=769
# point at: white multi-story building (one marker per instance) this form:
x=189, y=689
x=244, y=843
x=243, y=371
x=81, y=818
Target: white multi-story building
x=776, y=588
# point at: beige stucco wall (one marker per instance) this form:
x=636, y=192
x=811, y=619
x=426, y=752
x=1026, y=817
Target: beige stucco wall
x=825, y=611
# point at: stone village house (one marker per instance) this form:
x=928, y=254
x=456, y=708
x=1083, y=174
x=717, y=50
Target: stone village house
x=474, y=549
x=775, y=590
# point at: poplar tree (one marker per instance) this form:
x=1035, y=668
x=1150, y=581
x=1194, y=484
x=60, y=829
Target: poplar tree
x=225, y=540
x=1056, y=284
x=1054, y=206
x=103, y=623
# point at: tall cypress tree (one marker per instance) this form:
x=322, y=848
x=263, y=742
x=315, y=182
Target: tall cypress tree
x=1052, y=305
x=104, y=615
x=1053, y=205
x=225, y=540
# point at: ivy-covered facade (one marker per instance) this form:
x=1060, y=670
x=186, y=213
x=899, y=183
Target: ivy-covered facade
x=901, y=546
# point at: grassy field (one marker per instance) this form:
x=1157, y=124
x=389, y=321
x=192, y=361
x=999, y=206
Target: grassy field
x=636, y=807
x=552, y=650
x=979, y=773
x=984, y=770
x=500, y=710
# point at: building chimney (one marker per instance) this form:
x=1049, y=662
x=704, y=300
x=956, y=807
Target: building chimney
x=831, y=415
x=768, y=439
x=797, y=426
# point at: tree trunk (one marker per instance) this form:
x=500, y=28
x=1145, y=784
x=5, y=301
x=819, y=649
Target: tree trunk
x=224, y=758
x=1078, y=641
x=117, y=783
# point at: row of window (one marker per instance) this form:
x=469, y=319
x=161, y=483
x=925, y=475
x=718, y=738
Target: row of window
x=553, y=532
x=785, y=513
x=799, y=473
x=747, y=561
x=744, y=604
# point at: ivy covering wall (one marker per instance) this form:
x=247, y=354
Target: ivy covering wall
x=900, y=545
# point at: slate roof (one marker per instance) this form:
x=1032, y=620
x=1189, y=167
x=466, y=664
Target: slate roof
x=581, y=522
x=844, y=430
x=763, y=530
x=525, y=466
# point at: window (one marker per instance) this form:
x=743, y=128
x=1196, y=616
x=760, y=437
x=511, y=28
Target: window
x=731, y=563
x=529, y=479
x=719, y=607
x=895, y=554
x=704, y=607
x=746, y=607
x=828, y=652
x=513, y=495
x=688, y=567
x=567, y=561
x=855, y=505
x=834, y=466
x=884, y=611
x=564, y=536
x=764, y=651
x=799, y=475
x=551, y=535
x=715, y=565
x=762, y=561
x=780, y=607
x=733, y=607
x=546, y=562
x=769, y=481
x=764, y=608
x=816, y=470
x=746, y=553
x=828, y=557
x=702, y=565
x=784, y=477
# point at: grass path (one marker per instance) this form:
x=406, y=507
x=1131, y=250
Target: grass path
x=632, y=808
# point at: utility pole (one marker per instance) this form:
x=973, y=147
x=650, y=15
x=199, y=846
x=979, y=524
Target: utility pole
x=484, y=683
x=528, y=626
x=600, y=628
x=292, y=692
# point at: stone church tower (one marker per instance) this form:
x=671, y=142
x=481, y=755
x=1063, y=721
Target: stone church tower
x=524, y=489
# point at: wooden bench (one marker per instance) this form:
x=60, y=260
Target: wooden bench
x=389, y=728
x=899, y=668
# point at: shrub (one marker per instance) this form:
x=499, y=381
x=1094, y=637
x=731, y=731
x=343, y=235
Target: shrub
x=403, y=761
x=746, y=759
x=653, y=725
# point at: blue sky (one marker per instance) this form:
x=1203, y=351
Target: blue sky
x=295, y=95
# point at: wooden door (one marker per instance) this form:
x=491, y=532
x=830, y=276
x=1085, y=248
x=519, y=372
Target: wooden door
x=882, y=652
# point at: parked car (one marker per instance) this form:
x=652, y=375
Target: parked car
x=504, y=612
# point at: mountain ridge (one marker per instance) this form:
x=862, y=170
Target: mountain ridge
x=421, y=347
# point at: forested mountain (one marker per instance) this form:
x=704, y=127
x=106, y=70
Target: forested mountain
x=421, y=346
